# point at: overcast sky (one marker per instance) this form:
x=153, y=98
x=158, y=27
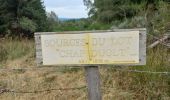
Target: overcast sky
x=66, y=8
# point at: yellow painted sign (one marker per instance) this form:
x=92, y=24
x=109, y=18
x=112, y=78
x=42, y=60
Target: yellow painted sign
x=91, y=48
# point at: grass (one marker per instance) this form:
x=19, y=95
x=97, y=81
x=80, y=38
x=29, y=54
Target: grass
x=119, y=85
x=15, y=49
x=146, y=85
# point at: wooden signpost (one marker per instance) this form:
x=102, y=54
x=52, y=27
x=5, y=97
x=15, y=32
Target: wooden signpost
x=91, y=49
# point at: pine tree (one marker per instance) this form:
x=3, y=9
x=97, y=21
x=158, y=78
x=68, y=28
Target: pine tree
x=18, y=17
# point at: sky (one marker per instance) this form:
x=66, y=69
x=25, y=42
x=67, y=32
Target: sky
x=67, y=8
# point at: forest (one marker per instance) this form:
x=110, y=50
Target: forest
x=20, y=19
x=24, y=17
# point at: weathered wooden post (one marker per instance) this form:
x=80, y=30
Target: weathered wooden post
x=92, y=49
x=93, y=82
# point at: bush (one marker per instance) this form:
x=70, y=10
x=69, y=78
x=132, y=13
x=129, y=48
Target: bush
x=28, y=27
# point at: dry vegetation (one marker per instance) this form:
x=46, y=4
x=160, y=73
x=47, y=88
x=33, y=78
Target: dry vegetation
x=119, y=85
x=116, y=84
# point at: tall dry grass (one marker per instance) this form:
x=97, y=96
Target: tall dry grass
x=116, y=85
x=12, y=49
x=147, y=86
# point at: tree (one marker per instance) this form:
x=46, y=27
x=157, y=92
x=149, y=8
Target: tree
x=109, y=10
x=16, y=16
x=53, y=20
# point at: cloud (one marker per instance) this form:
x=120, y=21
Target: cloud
x=69, y=12
x=67, y=8
x=59, y=3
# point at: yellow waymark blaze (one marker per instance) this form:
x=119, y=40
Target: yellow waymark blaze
x=89, y=48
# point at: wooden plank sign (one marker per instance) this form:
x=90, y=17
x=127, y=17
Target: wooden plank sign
x=92, y=48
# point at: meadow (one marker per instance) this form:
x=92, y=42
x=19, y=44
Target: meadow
x=21, y=79
x=117, y=81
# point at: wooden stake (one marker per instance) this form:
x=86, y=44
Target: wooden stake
x=93, y=82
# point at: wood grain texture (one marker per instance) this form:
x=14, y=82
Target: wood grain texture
x=95, y=31
x=142, y=46
x=38, y=50
x=93, y=83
